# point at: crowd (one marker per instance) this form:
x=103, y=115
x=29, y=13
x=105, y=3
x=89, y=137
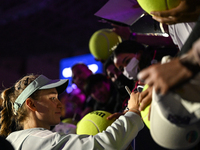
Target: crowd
x=34, y=107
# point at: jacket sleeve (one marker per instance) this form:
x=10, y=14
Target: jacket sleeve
x=116, y=137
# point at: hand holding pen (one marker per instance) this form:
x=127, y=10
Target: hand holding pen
x=133, y=103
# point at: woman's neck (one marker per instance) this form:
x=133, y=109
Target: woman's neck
x=33, y=122
x=29, y=125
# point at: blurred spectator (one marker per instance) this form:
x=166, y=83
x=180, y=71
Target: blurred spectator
x=119, y=80
x=130, y=57
x=80, y=72
x=73, y=104
x=103, y=91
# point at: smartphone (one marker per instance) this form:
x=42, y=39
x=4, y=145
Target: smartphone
x=140, y=88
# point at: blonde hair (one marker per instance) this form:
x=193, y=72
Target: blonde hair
x=8, y=97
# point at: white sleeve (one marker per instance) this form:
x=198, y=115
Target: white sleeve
x=116, y=137
x=179, y=32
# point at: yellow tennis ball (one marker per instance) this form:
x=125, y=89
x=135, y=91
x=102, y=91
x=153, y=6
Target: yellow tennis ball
x=158, y=5
x=94, y=122
x=145, y=112
x=103, y=42
x=69, y=120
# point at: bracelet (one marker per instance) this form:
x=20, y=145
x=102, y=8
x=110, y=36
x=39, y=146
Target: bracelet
x=132, y=36
x=133, y=109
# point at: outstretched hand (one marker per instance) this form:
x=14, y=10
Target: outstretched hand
x=186, y=11
x=165, y=76
x=116, y=115
x=122, y=31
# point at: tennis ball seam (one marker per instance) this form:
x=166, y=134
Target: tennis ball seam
x=93, y=123
x=166, y=4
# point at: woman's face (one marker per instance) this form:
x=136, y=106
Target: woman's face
x=122, y=60
x=48, y=108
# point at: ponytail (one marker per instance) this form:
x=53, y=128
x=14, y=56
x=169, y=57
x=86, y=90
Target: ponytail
x=8, y=115
x=7, y=112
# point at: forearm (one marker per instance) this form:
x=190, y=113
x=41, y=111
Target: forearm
x=152, y=39
x=119, y=135
x=192, y=59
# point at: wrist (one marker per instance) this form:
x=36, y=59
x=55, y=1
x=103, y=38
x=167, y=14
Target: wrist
x=134, y=110
x=189, y=62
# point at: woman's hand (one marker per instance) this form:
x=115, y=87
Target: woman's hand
x=133, y=103
x=116, y=115
x=165, y=76
x=123, y=32
x=145, y=98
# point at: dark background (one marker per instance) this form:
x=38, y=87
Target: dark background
x=36, y=34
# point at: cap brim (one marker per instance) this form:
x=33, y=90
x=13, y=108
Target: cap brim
x=163, y=131
x=41, y=82
x=60, y=85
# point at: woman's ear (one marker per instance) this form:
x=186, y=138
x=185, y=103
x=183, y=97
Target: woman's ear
x=30, y=104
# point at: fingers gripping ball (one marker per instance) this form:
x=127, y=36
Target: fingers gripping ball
x=158, y=5
x=94, y=122
x=102, y=42
x=145, y=112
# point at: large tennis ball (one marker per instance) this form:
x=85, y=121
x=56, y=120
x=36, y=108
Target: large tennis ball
x=158, y=5
x=94, y=122
x=103, y=42
x=145, y=112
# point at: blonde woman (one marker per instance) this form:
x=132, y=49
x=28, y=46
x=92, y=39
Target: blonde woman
x=33, y=102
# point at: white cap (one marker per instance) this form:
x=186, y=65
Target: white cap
x=40, y=83
x=174, y=121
